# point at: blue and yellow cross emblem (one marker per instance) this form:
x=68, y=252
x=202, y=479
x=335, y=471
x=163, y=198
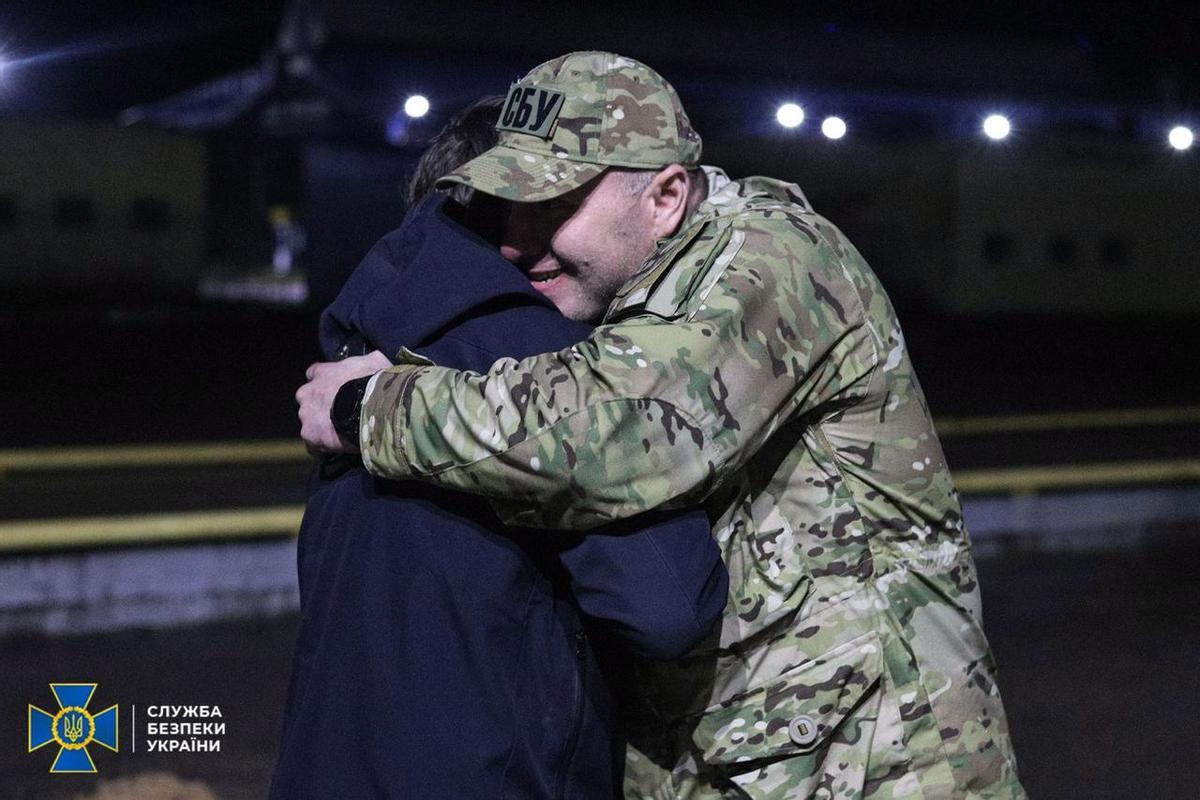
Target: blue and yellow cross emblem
x=73, y=728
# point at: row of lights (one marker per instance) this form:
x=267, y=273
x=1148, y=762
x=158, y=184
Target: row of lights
x=995, y=126
x=790, y=115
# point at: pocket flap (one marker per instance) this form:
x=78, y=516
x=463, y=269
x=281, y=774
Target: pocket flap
x=794, y=712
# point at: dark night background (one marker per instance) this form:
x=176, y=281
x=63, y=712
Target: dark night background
x=97, y=58
x=1048, y=286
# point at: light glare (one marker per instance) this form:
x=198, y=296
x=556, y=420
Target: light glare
x=1180, y=137
x=996, y=127
x=833, y=127
x=789, y=115
x=416, y=106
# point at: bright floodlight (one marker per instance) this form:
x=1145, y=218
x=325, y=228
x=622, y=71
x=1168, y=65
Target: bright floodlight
x=833, y=127
x=416, y=106
x=789, y=115
x=1180, y=137
x=996, y=127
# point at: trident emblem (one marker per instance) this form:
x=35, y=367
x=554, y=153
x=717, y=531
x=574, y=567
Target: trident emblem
x=73, y=728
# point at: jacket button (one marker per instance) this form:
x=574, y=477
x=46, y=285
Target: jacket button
x=342, y=352
x=803, y=731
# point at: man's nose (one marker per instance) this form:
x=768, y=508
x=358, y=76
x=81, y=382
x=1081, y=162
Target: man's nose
x=522, y=241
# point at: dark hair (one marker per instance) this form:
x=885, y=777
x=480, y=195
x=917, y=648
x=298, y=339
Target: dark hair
x=466, y=135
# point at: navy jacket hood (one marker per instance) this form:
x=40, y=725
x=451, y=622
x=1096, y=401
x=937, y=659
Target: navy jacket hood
x=462, y=277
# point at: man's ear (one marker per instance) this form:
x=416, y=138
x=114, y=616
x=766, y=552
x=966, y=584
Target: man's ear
x=667, y=199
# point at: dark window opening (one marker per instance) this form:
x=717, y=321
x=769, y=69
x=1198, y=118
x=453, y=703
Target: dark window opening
x=74, y=212
x=1114, y=252
x=150, y=214
x=998, y=248
x=8, y=213
x=1062, y=250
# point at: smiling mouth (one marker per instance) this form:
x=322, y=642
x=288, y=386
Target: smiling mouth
x=543, y=277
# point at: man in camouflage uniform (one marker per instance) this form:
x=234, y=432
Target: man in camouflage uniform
x=752, y=364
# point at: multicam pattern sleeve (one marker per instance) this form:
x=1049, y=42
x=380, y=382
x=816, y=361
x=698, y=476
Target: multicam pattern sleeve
x=730, y=330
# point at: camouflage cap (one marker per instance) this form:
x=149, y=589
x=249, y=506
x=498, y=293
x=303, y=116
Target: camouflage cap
x=572, y=117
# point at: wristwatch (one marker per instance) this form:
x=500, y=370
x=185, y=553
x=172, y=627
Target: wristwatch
x=346, y=411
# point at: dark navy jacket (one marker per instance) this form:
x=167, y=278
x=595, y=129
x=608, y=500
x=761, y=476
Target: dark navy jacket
x=440, y=654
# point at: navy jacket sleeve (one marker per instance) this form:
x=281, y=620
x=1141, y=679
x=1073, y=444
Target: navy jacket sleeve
x=657, y=581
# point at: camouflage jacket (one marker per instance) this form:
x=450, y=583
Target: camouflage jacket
x=754, y=366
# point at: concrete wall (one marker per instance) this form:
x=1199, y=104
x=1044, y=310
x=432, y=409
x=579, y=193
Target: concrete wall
x=107, y=171
x=1047, y=232
x=970, y=227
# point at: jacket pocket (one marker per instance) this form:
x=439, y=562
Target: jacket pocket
x=794, y=713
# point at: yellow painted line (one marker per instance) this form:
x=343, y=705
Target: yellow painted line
x=1024, y=480
x=273, y=451
x=1067, y=420
x=47, y=534
x=125, y=456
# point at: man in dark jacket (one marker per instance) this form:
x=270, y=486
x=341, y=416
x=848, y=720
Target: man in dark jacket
x=441, y=654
